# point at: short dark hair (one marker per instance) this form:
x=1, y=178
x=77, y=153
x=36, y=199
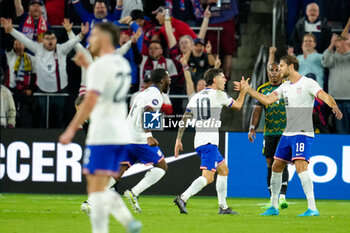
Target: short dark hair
x=210, y=74
x=137, y=14
x=291, y=60
x=158, y=74
x=111, y=29
x=273, y=64
x=155, y=42
x=106, y=2
x=49, y=32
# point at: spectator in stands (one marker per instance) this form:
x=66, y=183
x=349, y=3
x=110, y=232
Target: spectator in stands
x=188, y=11
x=154, y=60
x=133, y=55
x=131, y=5
x=32, y=24
x=224, y=17
x=100, y=12
x=179, y=28
x=149, y=29
x=7, y=106
x=310, y=61
x=50, y=66
x=200, y=60
x=338, y=63
x=55, y=10
x=314, y=24
x=294, y=8
x=21, y=83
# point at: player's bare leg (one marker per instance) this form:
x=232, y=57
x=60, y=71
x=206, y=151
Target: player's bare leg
x=308, y=187
x=221, y=189
x=150, y=178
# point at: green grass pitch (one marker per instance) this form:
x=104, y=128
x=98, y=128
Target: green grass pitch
x=27, y=213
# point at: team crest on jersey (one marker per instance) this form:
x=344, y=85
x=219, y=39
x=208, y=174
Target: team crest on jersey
x=152, y=120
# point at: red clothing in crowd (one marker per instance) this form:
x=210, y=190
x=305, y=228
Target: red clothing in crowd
x=179, y=28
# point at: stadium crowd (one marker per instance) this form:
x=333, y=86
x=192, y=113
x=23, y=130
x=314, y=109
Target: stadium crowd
x=36, y=56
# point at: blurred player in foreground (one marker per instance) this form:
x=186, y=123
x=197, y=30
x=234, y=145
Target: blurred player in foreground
x=205, y=108
x=108, y=82
x=299, y=94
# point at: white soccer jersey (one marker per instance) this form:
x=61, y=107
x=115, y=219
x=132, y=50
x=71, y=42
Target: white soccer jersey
x=205, y=107
x=299, y=98
x=151, y=97
x=109, y=76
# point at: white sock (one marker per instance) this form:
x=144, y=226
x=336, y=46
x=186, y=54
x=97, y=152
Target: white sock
x=151, y=177
x=308, y=187
x=221, y=189
x=276, y=183
x=194, y=188
x=118, y=208
x=99, y=216
x=111, y=182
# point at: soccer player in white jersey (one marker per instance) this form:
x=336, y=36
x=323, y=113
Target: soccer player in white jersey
x=205, y=108
x=108, y=81
x=299, y=94
x=144, y=147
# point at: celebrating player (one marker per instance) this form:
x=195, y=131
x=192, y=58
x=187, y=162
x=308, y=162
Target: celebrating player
x=205, y=107
x=295, y=144
x=108, y=81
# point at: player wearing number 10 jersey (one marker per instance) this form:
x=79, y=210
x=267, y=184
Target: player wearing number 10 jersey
x=204, y=109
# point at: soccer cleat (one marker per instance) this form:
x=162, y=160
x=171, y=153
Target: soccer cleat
x=86, y=208
x=270, y=211
x=134, y=226
x=226, y=211
x=181, y=204
x=282, y=203
x=133, y=201
x=309, y=213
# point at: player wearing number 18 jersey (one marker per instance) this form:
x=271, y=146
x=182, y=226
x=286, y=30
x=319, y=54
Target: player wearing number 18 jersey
x=295, y=145
x=204, y=109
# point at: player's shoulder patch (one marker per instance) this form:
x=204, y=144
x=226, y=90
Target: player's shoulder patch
x=155, y=101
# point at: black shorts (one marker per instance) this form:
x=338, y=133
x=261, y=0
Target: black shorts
x=270, y=144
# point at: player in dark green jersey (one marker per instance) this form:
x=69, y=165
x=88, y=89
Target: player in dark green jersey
x=275, y=123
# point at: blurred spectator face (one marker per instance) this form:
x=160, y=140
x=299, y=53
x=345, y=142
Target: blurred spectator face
x=123, y=38
x=49, y=42
x=312, y=12
x=140, y=22
x=185, y=44
x=160, y=17
x=200, y=85
x=273, y=74
x=341, y=46
x=309, y=43
x=35, y=10
x=18, y=47
x=198, y=49
x=155, y=51
x=100, y=10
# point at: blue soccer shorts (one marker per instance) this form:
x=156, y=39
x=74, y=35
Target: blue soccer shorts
x=143, y=153
x=291, y=148
x=103, y=159
x=210, y=156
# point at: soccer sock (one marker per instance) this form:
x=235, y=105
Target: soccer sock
x=151, y=177
x=276, y=182
x=118, y=208
x=194, y=188
x=99, y=216
x=221, y=189
x=285, y=177
x=269, y=172
x=308, y=187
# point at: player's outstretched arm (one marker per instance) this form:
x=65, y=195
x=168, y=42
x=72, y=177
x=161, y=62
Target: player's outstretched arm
x=178, y=144
x=322, y=95
x=79, y=118
x=254, y=122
